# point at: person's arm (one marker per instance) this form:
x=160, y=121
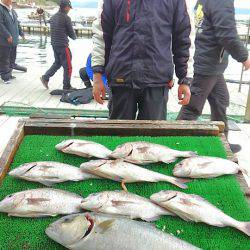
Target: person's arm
x=222, y=14
x=70, y=30
x=3, y=31
x=102, y=40
x=180, y=47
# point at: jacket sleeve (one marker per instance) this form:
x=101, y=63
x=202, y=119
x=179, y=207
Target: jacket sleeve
x=180, y=40
x=103, y=28
x=20, y=31
x=3, y=31
x=222, y=15
x=69, y=27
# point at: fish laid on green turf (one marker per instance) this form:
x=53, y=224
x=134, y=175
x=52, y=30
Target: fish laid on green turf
x=124, y=203
x=84, y=148
x=119, y=170
x=191, y=207
x=144, y=153
x=104, y=232
x=205, y=167
x=49, y=173
x=41, y=202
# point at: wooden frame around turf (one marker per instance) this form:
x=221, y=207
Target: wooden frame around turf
x=74, y=127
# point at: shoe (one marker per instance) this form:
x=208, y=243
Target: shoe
x=45, y=83
x=20, y=68
x=7, y=81
x=69, y=88
x=235, y=148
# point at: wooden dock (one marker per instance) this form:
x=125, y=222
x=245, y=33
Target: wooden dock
x=42, y=29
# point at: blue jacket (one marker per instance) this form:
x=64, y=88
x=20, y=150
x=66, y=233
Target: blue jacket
x=138, y=43
x=89, y=71
x=9, y=26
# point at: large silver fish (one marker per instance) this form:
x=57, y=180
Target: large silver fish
x=49, y=173
x=192, y=207
x=119, y=170
x=84, y=148
x=104, y=232
x=145, y=153
x=205, y=167
x=124, y=203
x=40, y=203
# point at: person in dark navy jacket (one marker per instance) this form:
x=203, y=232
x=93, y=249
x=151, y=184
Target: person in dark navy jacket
x=139, y=44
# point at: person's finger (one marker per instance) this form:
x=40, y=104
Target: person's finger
x=103, y=90
x=180, y=94
x=97, y=96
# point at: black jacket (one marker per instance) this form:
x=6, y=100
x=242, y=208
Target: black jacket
x=139, y=42
x=61, y=29
x=9, y=26
x=216, y=37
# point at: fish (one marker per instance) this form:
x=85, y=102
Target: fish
x=124, y=203
x=84, y=148
x=145, y=153
x=121, y=171
x=191, y=207
x=49, y=173
x=205, y=167
x=41, y=202
x=94, y=231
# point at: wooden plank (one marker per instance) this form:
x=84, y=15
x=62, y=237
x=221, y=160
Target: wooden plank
x=134, y=128
x=11, y=149
x=220, y=125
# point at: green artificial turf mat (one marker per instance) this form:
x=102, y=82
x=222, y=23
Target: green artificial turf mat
x=224, y=192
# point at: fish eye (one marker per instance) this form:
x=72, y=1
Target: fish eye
x=9, y=196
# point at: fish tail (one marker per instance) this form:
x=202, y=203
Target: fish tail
x=244, y=227
x=177, y=182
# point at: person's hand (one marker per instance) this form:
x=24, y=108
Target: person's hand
x=10, y=40
x=171, y=84
x=99, y=91
x=247, y=64
x=184, y=94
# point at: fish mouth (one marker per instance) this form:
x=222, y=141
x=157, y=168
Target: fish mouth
x=19, y=172
x=62, y=146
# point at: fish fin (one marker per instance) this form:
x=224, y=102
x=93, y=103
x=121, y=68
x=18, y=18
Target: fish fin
x=244, y=227
x=121, y=203
x=123, y=184
x=244, y=171
x=49, y=183
x=36, y=201
x=31, y=215
x=105, y=225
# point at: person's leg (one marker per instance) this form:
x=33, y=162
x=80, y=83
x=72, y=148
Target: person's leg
x=200, y=89
x=13, y=57
x=122, y=104
x=55, y=66
x=5, y=70
x=219, y=101
x=152, y=104
x=85, y=78
x=66, y=58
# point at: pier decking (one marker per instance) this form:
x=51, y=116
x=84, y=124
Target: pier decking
x=42, y=29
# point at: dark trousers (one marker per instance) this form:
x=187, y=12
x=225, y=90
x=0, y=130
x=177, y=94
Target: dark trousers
x=213, y=89
x=141, y=104
x=63, y=58
x=5, y=70
x=85, y=78
x=13, y=57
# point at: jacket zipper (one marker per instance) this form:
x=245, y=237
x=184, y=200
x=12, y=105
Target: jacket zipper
x=128, y=11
